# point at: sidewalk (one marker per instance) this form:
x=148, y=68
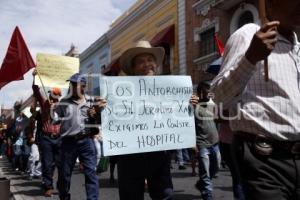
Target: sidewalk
x=20, y=187
x=23, y=189
x=4, y=167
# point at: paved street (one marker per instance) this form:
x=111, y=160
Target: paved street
x=182, y=179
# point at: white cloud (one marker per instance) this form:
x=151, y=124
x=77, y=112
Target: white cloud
x=50, y=26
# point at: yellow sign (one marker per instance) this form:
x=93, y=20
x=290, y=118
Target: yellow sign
x=54, y=70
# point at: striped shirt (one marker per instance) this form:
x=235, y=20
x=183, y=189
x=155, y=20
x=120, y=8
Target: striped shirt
x=270, y=108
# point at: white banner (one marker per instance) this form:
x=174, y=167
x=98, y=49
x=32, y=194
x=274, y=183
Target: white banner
x=147, y=113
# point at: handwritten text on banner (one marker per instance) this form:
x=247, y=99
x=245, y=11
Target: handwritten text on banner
x=147, y=113
x=55, y=70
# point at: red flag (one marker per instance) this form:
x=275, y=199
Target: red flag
x=219, y=45
x=17, y=60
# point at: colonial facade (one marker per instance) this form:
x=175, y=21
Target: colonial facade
x=152, y=20
x=185, y=28
x=207, y=18
x=93, y=61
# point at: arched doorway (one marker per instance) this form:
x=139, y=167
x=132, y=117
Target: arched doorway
x=246, y=13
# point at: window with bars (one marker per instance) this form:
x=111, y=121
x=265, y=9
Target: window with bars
x=207, y=42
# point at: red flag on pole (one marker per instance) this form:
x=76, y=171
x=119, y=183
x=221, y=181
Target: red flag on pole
x=17, y=60
x=219, y=45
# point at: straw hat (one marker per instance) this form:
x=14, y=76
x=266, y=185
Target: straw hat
x=140, y=48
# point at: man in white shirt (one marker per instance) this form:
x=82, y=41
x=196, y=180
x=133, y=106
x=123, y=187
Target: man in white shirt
x=265, y=114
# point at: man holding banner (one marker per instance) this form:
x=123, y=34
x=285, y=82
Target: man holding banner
x=50, y=138
x=265, y=114
x=134, y=169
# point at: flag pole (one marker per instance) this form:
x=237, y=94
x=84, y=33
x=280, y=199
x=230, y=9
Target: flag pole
x=43, y=86
x=263, y=19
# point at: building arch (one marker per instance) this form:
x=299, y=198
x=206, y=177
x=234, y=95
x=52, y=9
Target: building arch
x=246, y=13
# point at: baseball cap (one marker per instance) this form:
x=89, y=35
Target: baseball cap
x=77, y=78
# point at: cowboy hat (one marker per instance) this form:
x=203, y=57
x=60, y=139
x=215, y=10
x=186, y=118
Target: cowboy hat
x=140, y=48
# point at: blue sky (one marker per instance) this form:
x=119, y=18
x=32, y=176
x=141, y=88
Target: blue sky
x=50, y=26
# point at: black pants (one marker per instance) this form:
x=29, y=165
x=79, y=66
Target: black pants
x=264, y=177
x=227, y=155
x=134, y=169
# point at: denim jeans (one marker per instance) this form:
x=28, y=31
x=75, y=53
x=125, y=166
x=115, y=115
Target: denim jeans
x=25, y=155
x=182, y=155
x=50, y=159
x=17, y=156
x=86, y=151
x=99, y=149
x=209, y=162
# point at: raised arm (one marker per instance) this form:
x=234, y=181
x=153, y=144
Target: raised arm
x=36, y=90
x=243, y=50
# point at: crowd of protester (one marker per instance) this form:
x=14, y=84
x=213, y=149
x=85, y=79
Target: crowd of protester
x=38, y=145
x=33, y=145
x=262, y=154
